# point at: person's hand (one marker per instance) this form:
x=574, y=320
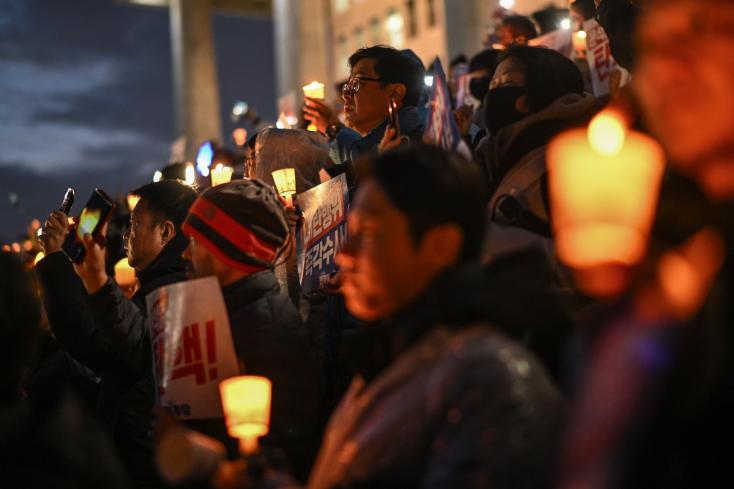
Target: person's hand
x=54, y=232
x=92, y=269
x=463, y=116
x=319, y=114
x=390, y=140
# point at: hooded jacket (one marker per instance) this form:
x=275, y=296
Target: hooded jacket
x=442, y=398
x=513, y=163
x=108, y=333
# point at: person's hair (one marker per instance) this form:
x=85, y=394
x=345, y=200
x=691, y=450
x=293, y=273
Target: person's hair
x=167, y=200
x=587, y=8
x=457, y=60
x=521, y=26
x=485, y=60
x=433, y=187
x=20, y=317
x=548, y=75
x=392, y=66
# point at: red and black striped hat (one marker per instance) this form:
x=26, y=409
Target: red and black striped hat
x=243, y=223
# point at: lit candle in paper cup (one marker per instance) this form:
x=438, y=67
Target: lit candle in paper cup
x=124, y=273
x=221, y=174
x=285, y=183
x=314, y=90
x=246, y=405
x=132, y=201
x=604, y=184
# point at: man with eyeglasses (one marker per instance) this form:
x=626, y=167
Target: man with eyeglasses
x=378, y=74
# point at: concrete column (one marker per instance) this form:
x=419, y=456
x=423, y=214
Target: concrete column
x=195, y=76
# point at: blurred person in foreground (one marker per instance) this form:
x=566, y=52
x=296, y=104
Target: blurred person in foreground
x=664, y=419
x=47, y=441
x=238, y=232
x=107, y=332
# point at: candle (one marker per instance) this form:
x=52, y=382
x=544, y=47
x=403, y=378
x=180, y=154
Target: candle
x=132, y=201
x=579, y=42
x=124, y=273
x=285, y=183
x=246, y=405
x=314, y=90
x=604, y=185
x=221, y=174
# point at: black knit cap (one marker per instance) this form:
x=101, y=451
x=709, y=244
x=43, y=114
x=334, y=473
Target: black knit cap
x=242, y=222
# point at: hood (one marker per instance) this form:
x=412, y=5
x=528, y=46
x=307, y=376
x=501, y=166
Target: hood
x=307, y=152
x=500, y=152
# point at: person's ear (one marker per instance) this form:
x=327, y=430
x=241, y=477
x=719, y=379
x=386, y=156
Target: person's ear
x=521, y=104
x=168, y=230
x=441, y=245
x=398, y=93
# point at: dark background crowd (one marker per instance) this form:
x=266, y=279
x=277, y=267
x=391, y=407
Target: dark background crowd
x=457, y=345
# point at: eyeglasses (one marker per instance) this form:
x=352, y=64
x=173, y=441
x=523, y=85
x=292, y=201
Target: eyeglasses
x=352, y=85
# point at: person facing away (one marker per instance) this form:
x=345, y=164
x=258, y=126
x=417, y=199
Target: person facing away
x=103, y=329
x=440, y=397
x=238, y=232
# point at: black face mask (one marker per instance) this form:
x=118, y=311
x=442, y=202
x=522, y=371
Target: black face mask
x=479, y=86
x=499, y=107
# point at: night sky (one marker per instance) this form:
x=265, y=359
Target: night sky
x=86, y=96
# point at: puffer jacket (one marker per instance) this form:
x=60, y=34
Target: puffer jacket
x=108, y=333
x=442, y=398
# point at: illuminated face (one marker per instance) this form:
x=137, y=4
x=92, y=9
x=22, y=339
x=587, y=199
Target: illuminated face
x=144, y=238
x=382, y=269
x=366, y=108
x=684, y=78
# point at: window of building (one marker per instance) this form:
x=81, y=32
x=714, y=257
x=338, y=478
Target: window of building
x=394, y=25
x=376, y=31
x=412, y=21
x=359, y=38
x=340, y=5
x=431, y=13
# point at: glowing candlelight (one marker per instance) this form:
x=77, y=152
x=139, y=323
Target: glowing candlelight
x=246, y=404
x=285, y=183
x=132, y=201
x=604, y=185
x=124, y=273
x=314, y=90
x=221, y=174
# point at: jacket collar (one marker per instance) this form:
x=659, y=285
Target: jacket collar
x=249, y=289
x=410, y=124
x=168, y=261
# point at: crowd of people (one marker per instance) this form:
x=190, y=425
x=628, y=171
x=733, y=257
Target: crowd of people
x=454, y=347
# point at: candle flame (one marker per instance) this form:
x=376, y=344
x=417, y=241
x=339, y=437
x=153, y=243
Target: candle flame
x=607, y=133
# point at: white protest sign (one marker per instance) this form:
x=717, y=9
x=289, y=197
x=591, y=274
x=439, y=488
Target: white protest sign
x=192, y=347
x=560, y=41
x=605, y=73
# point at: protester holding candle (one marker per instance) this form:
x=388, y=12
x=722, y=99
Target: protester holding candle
x=108, y=333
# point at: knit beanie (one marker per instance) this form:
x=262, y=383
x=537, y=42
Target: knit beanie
x=242, y=223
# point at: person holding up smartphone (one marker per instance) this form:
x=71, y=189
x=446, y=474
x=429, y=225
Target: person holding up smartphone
x=103, y=329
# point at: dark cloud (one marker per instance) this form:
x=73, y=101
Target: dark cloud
x=87, y=95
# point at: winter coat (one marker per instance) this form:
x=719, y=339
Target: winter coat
x=271, y=340
x=442, y=398
x=108, y=333
x=514, y=165
x=411, y=125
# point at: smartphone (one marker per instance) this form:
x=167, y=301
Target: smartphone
x=97, y=211
x=68, y=201
x=393, y=121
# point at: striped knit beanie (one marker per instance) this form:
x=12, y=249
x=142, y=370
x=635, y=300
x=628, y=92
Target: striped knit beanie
x=243, y=223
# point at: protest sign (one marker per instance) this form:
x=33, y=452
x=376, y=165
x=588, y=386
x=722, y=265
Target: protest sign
x=322, y=232
x=604, y=70
x=560, y=41
x=441, y=129
x=192, y=347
